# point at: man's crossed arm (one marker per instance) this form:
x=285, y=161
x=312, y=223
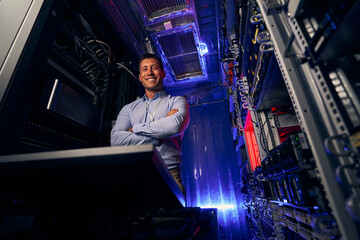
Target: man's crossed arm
x=175, y=122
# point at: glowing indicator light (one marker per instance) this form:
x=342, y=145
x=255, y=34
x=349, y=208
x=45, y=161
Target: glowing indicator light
x=333, y=25
x=203, y=49
x=250, y=138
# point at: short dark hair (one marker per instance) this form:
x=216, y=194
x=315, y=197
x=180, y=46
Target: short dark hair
x=151, y=55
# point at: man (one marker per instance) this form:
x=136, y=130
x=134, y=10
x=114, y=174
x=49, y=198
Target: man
x=156, y=118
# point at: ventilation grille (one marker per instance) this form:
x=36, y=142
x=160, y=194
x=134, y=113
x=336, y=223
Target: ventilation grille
x=155, y=9
x=181, y=52
x=70, y=104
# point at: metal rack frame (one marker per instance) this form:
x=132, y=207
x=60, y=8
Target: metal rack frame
x=313, y=113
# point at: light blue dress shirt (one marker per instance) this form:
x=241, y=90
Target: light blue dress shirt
x=149, y=123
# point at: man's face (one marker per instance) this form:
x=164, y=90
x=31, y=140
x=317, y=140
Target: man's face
x=151, y=75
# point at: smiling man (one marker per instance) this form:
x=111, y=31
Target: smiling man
x=157, y=118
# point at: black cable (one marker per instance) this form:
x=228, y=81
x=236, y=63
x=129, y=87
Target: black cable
x=227, y=76
x=262, y=141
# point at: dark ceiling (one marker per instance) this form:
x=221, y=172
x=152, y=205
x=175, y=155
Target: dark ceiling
x=186, y=34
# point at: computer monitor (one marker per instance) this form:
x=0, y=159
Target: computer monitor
x=87, y=183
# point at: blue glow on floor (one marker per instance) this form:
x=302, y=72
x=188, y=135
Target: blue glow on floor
x=210, y=168
x=220, y=206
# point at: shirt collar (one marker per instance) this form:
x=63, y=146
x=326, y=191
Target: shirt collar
x=157, y=95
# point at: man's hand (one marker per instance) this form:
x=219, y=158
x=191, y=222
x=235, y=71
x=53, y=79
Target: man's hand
x=172, y=112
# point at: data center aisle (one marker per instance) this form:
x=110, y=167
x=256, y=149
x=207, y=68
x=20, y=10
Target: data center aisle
x=211, y=171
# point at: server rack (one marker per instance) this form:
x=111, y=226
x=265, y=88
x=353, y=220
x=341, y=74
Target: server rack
x=58, y=77
x=323, y=97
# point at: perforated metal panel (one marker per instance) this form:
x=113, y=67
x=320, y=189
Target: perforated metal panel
x=70, y=104
x=156, y=9
x=180, y=49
